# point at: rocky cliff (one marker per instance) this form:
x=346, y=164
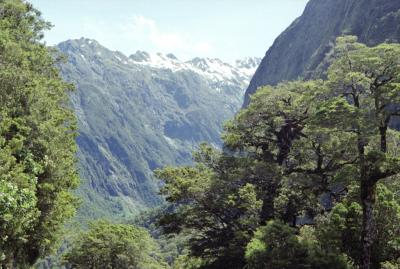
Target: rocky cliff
x=299, y=52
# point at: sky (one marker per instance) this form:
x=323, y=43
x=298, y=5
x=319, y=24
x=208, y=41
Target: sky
x=225, y=29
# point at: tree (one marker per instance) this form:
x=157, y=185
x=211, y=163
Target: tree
x=214, y=204
x=365, y=82
x=110, y=246
x=37, y=140
x=281, y=129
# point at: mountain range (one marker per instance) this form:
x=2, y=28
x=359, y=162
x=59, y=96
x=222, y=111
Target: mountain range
x=140, y=112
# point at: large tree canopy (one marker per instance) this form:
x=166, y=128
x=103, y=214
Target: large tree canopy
x=300, y=167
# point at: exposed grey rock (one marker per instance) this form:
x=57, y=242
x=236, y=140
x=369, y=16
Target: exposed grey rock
x=300, y=51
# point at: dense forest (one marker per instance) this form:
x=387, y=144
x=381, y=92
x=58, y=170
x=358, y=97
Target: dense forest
x=307, y=175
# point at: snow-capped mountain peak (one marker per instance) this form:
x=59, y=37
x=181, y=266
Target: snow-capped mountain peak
x=214, y=70
x=157, y=60
x=199, y=63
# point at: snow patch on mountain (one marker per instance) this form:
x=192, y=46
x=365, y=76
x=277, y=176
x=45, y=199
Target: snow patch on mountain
x=212, y=69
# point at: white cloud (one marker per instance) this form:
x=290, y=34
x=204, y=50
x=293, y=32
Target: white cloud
x=139, y=32
x=163, y=40
x=203, y=47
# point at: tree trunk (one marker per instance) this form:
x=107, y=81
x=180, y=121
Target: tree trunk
x=382, y=131
x=367, y=234
x=268, y=210
x=367, y=201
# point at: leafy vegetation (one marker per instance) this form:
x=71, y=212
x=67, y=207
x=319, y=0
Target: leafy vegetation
x=37, y=140
x=277, y=245
x=108, y=245
x=306, y=176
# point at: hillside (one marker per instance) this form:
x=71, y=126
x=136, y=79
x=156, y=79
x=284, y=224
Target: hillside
x=142, y=112
x=302, y=49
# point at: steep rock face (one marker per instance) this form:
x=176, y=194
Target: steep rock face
x=142, y=112
x=301, y=49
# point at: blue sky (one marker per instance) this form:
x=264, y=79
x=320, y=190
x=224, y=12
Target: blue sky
x=227, y=29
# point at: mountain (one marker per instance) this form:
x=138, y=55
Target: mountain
x=303, y=48
x=142, y=112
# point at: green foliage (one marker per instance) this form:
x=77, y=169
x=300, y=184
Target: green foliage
x=18, y=212
x=171, y=247
x=213, y=205
x=37, y=140
x=321, y=254
x=187, y=262
x=108, y=245
x=282, y=129
x=307, y=154
x=340, y=230
x=368, y=80
x=276, y=246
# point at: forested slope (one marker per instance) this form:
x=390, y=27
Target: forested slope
x=142, y=112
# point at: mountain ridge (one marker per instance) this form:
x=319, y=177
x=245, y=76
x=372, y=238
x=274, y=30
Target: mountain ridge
x=245, y=65
x=137, y=113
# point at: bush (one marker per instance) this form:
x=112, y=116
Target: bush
x=108, y=245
